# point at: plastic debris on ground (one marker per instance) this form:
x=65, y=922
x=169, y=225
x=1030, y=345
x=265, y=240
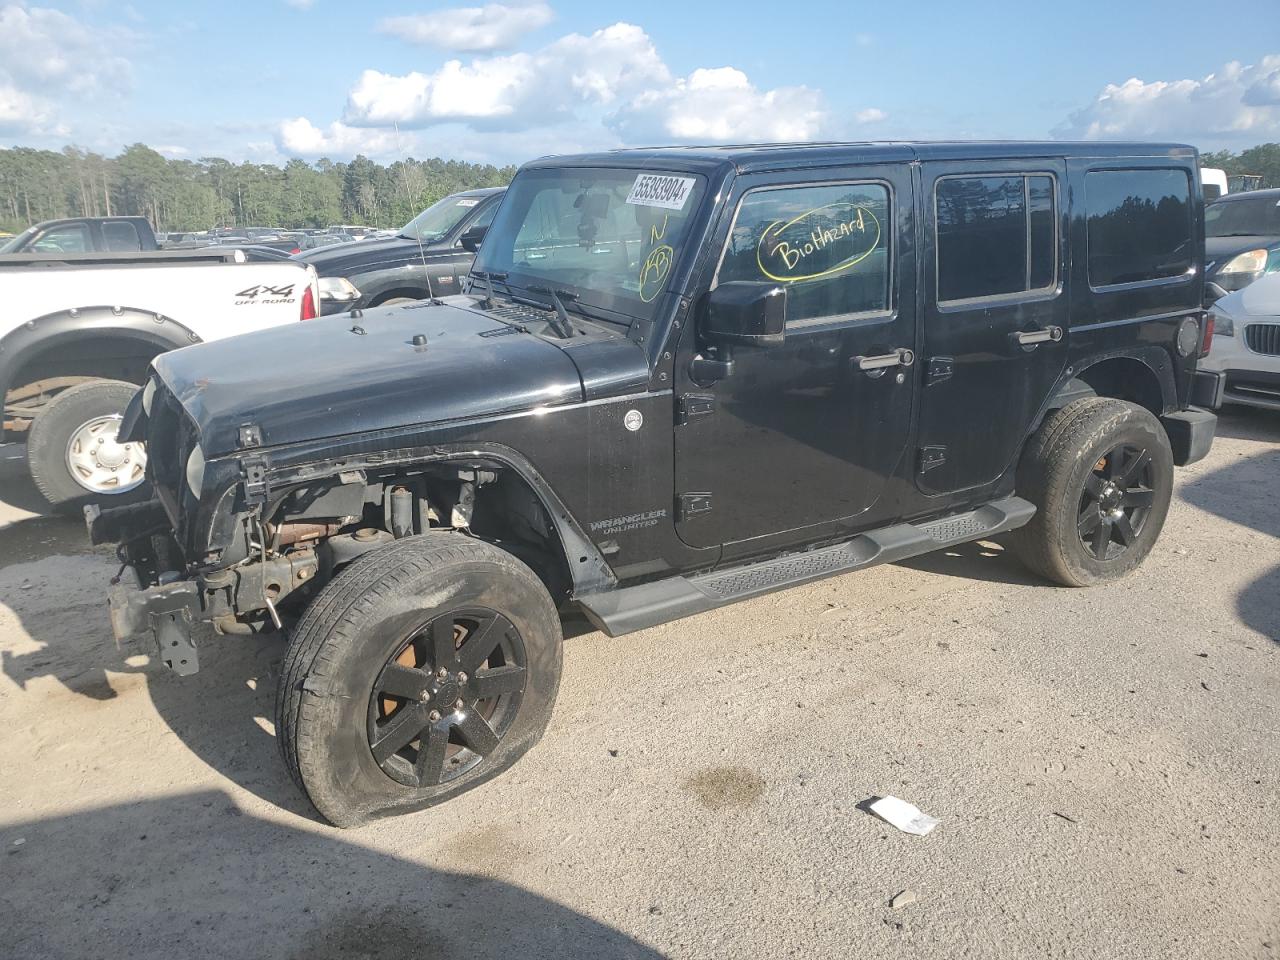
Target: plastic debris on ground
x=904, y=816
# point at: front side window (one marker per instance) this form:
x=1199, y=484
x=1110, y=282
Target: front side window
x=997, y=236
x=69, y=239
x=829, y=245
x=1139, y=225
x=610, y=237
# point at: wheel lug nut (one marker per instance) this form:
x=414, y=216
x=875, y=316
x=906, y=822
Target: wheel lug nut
x=462, y=678
x=457, y=704
x=442, y=672
x=424, y=696
x=433, y=716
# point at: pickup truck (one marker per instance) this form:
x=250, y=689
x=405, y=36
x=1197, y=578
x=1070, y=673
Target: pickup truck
x=85, y=235
x=79, y=331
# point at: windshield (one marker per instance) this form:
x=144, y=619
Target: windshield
x=1255, y=217
x=14, y=242
x=609, y=237
x=435, y=222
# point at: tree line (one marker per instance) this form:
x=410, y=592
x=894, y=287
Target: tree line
x=1262, y=160
x=187, y=195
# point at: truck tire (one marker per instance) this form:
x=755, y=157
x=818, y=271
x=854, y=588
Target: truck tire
x=72, y=451
x=1100, y=472
x=424, y=669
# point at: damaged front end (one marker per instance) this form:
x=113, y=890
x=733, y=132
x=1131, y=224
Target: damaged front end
x=244, y=548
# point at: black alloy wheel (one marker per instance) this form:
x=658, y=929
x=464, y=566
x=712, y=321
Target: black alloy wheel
x=444, y=700
x=1117, y=498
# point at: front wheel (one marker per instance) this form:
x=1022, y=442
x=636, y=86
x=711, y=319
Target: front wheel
x=1100, y=472
x=423, y=670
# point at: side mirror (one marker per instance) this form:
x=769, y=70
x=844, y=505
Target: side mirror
x=746, y=313
x=471, y=239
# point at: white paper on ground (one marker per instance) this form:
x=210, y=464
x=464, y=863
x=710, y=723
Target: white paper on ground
x=904, y=816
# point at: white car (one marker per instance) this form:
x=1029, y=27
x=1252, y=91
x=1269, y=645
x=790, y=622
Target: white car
x=78, y=331
x=1246, y=344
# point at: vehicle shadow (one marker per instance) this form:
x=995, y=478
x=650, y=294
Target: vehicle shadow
x=194, y=876
x=988, y=560
x=1244, y=492
x=1249, y=423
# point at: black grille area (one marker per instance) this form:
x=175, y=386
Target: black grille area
x=1263, y=338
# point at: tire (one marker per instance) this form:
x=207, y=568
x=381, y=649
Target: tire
x=64, y=477
x=389, y=621
x=1100, y=472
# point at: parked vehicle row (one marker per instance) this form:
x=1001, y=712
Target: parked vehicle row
x=674, y=379
x=430, y=256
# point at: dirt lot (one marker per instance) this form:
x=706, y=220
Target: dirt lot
x=1104, y=764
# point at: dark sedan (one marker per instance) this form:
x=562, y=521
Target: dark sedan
x=1242, y=240
x=426, y=258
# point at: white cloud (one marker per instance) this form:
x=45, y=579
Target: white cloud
x=720, y=105
x=1237, y=103
x=521, y=89
x=301, y=4
x=300, y=137
x=47, y=55
x=870, y=115
x=173, y=151
x=495, y=26
x=580, y=92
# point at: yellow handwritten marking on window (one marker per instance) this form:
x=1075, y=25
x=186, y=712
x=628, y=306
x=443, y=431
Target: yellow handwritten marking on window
x=655, y=234
x=813, y=237
x=654, y=270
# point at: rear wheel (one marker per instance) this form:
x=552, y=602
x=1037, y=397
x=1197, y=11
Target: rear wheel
x=72, y=450
x=423, y=670
x=1100, y=472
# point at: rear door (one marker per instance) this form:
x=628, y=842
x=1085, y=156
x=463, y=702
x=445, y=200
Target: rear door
x=807, y=432
x=995, y=314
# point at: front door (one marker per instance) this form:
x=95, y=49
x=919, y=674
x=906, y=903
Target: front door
x=995, y=314
x=808, y=431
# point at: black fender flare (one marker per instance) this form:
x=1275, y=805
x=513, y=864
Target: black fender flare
x=1070, y=387
x=34, y=337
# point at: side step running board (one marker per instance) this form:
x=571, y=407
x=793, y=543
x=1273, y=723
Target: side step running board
x=636, y=608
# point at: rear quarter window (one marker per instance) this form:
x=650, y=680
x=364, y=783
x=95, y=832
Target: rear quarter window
x=1139, y=225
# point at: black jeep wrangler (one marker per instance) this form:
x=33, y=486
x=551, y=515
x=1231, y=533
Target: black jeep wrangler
x=677, y=378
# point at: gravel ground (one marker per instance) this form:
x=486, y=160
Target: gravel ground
x=1103, y=762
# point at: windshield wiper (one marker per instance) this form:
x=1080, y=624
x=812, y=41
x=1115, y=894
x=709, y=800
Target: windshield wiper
x=488, y=276
x=562, y=325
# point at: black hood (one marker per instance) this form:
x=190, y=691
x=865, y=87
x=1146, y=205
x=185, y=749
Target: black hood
x=318, y=379
x=364, y=256
x=1218, y=250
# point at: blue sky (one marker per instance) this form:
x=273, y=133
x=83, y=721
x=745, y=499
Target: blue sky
x=505, y=81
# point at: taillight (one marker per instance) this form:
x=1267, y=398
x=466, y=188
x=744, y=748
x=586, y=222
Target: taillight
x=1207, y=342
x=308, y=305
x=295, y=250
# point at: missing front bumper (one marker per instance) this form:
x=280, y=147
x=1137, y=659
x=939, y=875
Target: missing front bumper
x=166, y=613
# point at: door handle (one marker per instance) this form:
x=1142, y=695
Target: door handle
x=1027, y=338
x=900, y=357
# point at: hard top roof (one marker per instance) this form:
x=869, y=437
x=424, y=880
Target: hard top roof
x=757, y=157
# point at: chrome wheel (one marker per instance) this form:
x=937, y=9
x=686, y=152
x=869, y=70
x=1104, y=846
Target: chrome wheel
x=100, y=463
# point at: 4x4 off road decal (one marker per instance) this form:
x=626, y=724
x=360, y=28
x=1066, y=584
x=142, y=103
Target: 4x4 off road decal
x=261, y=293
x=820, y=243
